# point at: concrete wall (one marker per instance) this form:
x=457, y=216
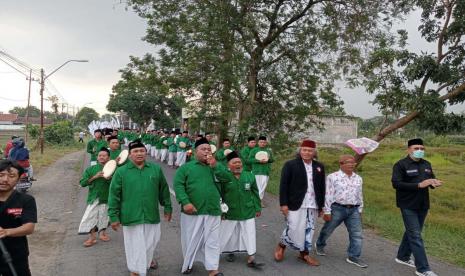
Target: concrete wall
x=336, y=130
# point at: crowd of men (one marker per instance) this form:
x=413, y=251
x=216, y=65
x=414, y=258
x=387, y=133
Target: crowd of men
x=220, y=192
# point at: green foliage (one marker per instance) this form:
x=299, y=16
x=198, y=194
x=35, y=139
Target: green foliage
x=144, y=95
x=262, y=65
x=406, y=82
x=85, y=116
x=59, y=133
x=21, y=111
x=33, y=130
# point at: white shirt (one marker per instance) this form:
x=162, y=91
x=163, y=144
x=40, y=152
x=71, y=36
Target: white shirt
x=81, y=134
x=343, y=189
x=310, y=198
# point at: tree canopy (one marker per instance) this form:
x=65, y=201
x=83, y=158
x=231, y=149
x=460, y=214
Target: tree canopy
x=85, y=116
x=21, y=111
x=143, y=95
x=419, y=84
x=264, y=65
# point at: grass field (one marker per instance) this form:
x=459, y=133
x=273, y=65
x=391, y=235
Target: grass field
x=444, y=232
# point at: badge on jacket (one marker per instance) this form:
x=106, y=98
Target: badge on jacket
x=318, y=169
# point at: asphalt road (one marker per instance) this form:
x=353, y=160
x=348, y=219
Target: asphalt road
x=67, y=202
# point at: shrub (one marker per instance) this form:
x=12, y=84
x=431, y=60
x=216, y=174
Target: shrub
x=60, y=133
x=34, y=131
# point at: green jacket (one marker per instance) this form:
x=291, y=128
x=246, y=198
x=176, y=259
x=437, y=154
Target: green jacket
x=241, y=195
x=194, y=183
x=98, y=189
x=135, y=194
x=93, y=146
x=245, y=152
x=257, y=167
x=114, y=154
x=185, y=140
x=162, y=140
x=221, y=157
x=171, y=145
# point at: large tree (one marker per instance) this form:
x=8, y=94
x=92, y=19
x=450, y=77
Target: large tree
x=419, y=84
x=21, y=111
x=144, y=96
x=271, y=62
x=85, y=116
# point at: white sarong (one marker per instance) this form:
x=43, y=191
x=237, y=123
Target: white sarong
x=163, y=154
x=180, y=158
x=200, y=241
x=95, y=216
x=153, y=149
x=238, y=236
x=171, y=156
x=157, y=154
x=140, y=242
x=300, y=229
x=262, y=182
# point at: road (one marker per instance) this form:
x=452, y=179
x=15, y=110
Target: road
x=56, y=249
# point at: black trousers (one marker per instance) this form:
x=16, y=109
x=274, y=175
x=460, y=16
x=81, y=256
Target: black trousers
x=21, y=266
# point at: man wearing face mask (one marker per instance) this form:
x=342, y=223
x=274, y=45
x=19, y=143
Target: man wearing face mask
x=412, y=177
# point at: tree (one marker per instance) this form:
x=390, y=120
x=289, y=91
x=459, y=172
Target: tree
x=21, y=111
x=419, y=85
x=54, y=101
x=143, y=95
x=85, y=116
x=270, y=63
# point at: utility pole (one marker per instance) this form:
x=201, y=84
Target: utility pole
x=28, y=103
x=42, y=87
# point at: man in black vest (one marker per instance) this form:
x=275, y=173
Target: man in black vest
x=302, y=197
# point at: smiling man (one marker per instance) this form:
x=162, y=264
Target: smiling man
x=136, y=191
x=199, y=196
x=344, y=203
x=18, y=215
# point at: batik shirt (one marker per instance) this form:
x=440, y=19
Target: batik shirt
x=310, y=197
x=343, y=189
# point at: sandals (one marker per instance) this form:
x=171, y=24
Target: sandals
x=254, y=264
x=89, y=243
x=104, y=237
x=153, y=265
x=187, y=271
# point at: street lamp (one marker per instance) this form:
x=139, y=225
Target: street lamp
x=43, y=77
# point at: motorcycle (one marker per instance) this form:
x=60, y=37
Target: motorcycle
x=24, y=183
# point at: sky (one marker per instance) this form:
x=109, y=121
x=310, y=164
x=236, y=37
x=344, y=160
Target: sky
x=47, y=33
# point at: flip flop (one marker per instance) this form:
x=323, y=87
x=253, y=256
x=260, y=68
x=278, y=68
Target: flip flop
x=89, y=243
x=104, y=238
x=254, y=264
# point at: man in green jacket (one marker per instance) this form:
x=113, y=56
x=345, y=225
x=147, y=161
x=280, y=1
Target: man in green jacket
x=245, y=152
x=95, y=217
x=164, y=147
x=114, y=147
x=223, y=152
x=172, y=149
x=94, y=145
x=182, y=145
x=137, y=188
x=240, y=194
x=261, y=168
x=199, y=196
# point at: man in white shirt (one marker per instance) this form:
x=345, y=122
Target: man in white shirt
x=344, y=203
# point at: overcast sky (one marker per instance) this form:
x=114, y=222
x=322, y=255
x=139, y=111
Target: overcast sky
x=46, y=33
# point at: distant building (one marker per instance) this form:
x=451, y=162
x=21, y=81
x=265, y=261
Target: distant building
x=15, y=122
x=331, y=130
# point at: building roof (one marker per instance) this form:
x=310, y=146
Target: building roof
x=8, y=117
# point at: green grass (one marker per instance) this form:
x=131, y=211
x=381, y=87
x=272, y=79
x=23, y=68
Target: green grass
x=444, y=232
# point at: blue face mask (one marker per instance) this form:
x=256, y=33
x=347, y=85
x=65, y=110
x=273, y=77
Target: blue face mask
x=418, y=154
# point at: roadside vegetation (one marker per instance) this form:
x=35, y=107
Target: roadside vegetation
x=444, y=232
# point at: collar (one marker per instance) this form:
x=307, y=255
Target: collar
x=131, y=165
x=343, y=174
